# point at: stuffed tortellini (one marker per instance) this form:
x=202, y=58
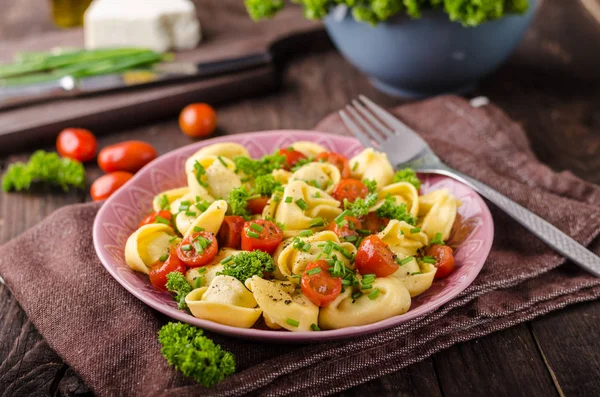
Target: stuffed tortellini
x=438, y=210
x=324, y=176
x=372, y=165
x=144, y=247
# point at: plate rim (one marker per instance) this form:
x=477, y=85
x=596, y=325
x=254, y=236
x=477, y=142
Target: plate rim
x=275, y=336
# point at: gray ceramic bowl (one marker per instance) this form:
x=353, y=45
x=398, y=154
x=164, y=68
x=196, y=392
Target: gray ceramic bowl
x=427, y=56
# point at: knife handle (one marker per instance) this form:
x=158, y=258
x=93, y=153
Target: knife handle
x=24, y=95
x=231, y=65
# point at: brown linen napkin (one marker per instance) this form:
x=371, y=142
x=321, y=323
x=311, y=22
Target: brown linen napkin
x=109, y=337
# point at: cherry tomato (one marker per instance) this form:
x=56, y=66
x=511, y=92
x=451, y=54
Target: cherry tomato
x=127, y=156
x=320, y=288
x=341, y=162
x=256, y=205
x=77, y=144
x=261, y=235
x=349, y=189
x=152, y=217
x=198, y=249
x=373, y=223
x=291, y=156
x=107, y=184
x=348, y=228
x=159, y=270
x=198, y=120
x=374, y=256
x=444, y=259
x=230, y=233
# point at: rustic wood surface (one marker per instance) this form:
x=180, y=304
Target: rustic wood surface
x=551, y=85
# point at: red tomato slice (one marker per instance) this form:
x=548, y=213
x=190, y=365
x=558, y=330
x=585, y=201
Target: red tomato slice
x=444, y=259
x=348, y=228
x=349, y=189
x=373, y=223
x=256, y=205
x=374, y=256
x=230, y=233
x=320, y=287
x=341, y=162
x=152, y=217
x=291, y=156
x=198, y=249
x=261, y=235
x=159, y=270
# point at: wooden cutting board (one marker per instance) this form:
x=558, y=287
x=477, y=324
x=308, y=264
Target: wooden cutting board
x=227, y=32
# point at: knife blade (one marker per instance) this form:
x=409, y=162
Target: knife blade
x=162, y=73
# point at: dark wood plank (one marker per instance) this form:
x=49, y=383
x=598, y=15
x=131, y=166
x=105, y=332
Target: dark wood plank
x=570, y=344
x=504, y=363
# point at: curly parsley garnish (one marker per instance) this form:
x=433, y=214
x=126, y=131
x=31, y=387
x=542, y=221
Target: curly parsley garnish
x=371, y=184
x=408, y=175
x=389, y=209
x=254, y=168
x=265, y=185
x=247, y=264
x=360, y=207
x=178, y=285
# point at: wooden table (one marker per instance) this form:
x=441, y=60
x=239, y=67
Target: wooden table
x=551, y=85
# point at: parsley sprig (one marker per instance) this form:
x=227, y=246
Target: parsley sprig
x=389, y=209
x=408, y=175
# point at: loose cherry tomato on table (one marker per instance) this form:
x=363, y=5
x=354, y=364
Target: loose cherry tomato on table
x=373, y=223
x=77, y=144
x=444, y=259
x=374, y=256
x=198, y=120
x=159, y=270
x=347, y=228
x=318, y=285
x=341, y=162
x=291, y=156
x=261, y=235
x=152, y=218
x=256, y=205
x=230, y=233
x=198, y=249
x=127, y=156
x=107, y=184
x=349, y=189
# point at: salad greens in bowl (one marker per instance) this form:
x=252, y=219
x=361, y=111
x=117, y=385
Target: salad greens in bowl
x=417, y=48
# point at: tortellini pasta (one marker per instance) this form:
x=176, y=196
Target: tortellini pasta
x=292, y=214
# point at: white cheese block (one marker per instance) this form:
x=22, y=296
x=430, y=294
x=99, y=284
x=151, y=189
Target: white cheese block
x=160, y=25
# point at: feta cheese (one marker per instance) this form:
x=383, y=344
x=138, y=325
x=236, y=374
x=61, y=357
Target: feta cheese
x=160, y=25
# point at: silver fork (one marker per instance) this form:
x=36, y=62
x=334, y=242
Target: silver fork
x=375, y=127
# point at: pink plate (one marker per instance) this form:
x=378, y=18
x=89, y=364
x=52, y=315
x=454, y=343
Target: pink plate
x=121, y=213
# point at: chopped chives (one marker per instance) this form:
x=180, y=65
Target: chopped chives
x=198, y=229
x=160, y=219
x=356, y=295
x=198, y=247
x=364, y=232
x=350, y=238
x=327, y=249
x=366, y=286
x=405, y=260
x=163, y=202
x=438, y=239
x=316, y=222
x=222, y=161
x=346, y=282
x=197, y=282
x=306, y=247
x=429, y=259
x=256, y=227
x=252, y=234
x=314, y=271
x=317, y=195
x=415, y=230
x=374, y=294
x=369, y=276
x=288, y=199
x=296, y=276
x=351, y=225
x=340, y=218
x=187, y=247
x=173, y=239
x=305, y=233
x=226, y=260
x=163, y=257
x=415, y=273
x=302, y=204
x=292, y=322
x=355, y=166
x=315, y=327
x=190, y=213
x=202, y=270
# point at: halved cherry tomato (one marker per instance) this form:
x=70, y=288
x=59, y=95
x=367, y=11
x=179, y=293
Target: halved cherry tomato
x=444, y=259
x=261, y=235
x=107, y=184
x=159, y=270
x=341, y=162
x=127, y=156
x=348, y=228
x=349, y=189
x=291, y=156
x=320, y=288
x=373, y=223
x=152, y=217
x=198, y=120
x=198, y=249
x=256, y=205
x=77, y=144
x=374, y=256
x=230, y=233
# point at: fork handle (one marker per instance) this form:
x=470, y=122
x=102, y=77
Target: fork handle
x=547, y=232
